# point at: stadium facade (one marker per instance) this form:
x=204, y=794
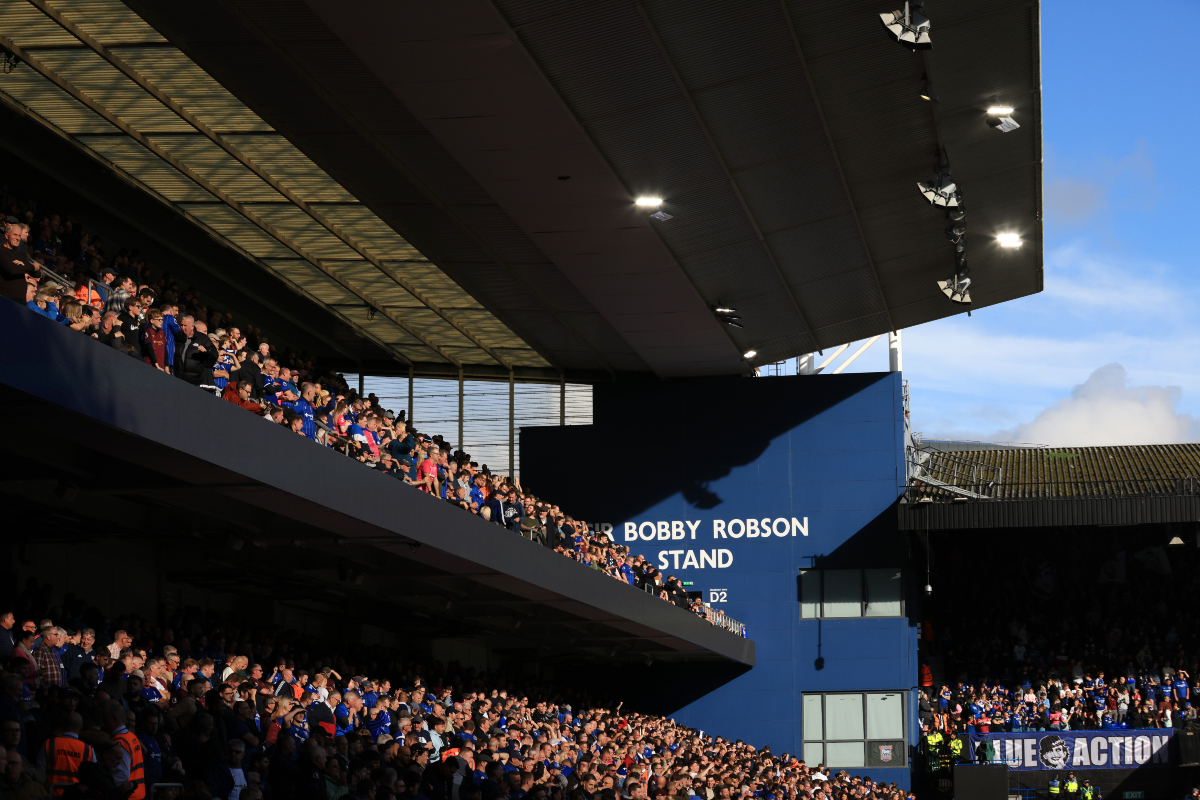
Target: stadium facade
x=776, y=498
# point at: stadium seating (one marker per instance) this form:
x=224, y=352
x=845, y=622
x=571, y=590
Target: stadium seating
x=122, y=305
x=222, y=708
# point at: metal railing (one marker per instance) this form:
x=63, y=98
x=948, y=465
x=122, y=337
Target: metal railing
x=936, y=473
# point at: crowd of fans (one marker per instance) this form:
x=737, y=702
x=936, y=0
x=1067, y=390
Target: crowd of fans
x=124, y=710
x=66, y=276
x=1106, y=639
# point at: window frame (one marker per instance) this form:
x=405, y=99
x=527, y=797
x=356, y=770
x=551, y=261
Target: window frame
x=865, y=600
x=825, y=741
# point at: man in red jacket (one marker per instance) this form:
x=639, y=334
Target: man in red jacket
x=239, y=394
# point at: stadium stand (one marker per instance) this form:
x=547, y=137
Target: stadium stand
x=243, y=712
x=120, y=304
x=1070, y=651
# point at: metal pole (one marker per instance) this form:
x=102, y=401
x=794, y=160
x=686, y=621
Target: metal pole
x=855, y=355
x=461, y=445
x=361, y=391
x=410, y=396
x=895, y=353
x=562, y=399
x=512, y=427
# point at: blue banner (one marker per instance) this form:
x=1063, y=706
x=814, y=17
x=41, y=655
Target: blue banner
x=1074, y=750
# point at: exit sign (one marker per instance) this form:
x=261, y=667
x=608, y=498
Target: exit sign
x=1134, y=795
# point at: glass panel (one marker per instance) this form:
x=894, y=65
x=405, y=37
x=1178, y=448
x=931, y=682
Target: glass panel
x=883, y=592
x=843, y=593
x=810, y=594
x=813, y=754
x=812, y=717
x=846, y=754
x=885, y=716
x=843, y=716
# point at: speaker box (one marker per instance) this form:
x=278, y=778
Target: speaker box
x=981, y=782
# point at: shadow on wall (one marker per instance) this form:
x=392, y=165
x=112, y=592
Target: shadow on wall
x=652, y=440
x=876, y=545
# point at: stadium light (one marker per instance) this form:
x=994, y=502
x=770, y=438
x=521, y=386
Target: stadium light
x=999, y=116
x=1012, y=240
x=909, y=25
x=941, y=190
x=957, y=287
x=927, y=92
x=649, y=201
x=749, y=354
x=725, y=310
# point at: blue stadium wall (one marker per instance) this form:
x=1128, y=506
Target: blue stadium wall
x=684, y=472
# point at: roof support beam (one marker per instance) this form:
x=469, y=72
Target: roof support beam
x=187, y=172
x=733, y=184
x=148, y=87
x=812, y=89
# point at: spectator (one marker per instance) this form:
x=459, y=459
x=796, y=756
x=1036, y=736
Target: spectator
x=239, y=394
x=7, y=642
x=17, y=271
x=15, y=784
x=46, y=660
x=154, y=343
x=194, y=352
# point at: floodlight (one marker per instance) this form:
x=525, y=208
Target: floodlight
x=941, y=190
x=1009, y=240
x=649, y=201
x=725, y=310
x=956, y=287
x=661, y=216
x=1175, y=542
x=749, y=354
x=957, y=214
x=956, y=232
x=1003, y=124
x=927, y=92
x=999, y=116
x=909, y=25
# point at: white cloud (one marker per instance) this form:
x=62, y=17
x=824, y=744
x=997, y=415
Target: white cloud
x=1105, y=410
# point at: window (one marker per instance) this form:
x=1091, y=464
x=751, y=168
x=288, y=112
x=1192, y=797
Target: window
x=847, y=593
x=854, y=729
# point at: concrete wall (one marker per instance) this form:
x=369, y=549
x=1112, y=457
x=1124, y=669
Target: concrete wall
x=817, y=458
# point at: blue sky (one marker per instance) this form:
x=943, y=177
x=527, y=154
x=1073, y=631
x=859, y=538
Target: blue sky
x=1121, y=109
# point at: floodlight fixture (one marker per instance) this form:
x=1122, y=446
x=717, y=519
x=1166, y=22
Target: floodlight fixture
x=927, y=92
x=941, y=189
x=725, y=310
x=956, y=232
x=957, y=214
x=999, y=116
x=661, y=216
x=956, y=288
x=1012, y=240
x=749, y=354
x=649, y=201
x=909, y=25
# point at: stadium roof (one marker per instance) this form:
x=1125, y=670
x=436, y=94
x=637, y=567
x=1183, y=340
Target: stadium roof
x=975, y=485
x=455, y=181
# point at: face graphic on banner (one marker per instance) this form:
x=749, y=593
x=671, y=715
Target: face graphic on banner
x=1054, y=752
